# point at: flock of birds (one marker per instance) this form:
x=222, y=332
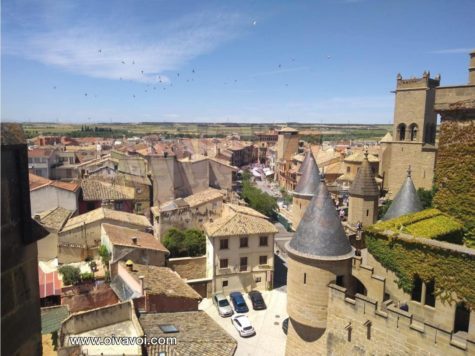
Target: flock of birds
x=163, y=82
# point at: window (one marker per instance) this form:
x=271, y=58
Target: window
x=413, y=132
x=417, y=289
x=339, y=281
x=119, y=205
x=243, y=242
x=401, y=132
x=347, y=169
x=305, y=278
x=367, y=212
x=262, y=260
x=223, y=244
x=462, y=318
x=223, y=263
x=263, y=241
x=430, y=297
x=243, y=264
x=225, y=284
x=258, y=279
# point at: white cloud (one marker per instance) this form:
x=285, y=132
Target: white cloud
x=96, y=52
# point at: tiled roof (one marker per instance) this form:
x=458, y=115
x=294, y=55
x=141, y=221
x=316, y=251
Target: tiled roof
x=54, y=218
x=122, y=236
x=310, y=178
x=132, y=165
x=245, y=210
x=52, y=317
x=237, y=221
x=162, y=280
x=287, y=129
x=203, y=197
x=359, y=157
x=364, y=184
x=334, y=168
x=37, y=181
x=93, y=189
x=40, y=152
x=197, y=334
x=103, y=213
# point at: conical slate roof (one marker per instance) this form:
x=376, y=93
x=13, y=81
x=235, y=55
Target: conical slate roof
x=320, y=234
x=364, y=184
x=310, y=178
x=406, y=200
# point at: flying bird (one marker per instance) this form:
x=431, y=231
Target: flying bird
x=100, y=51
x=254, y=23
x=85, y=94
x=193, y=71
x=178, y=74
x=123, y=62
x=280, y=66
x=142, y=71
x=54, y=87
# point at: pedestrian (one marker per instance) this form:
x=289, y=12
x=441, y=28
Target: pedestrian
x=342, y=214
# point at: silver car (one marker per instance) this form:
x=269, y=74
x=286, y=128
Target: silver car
x=222, y=304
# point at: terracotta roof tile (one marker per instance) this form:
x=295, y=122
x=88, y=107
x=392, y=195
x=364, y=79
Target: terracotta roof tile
x=122, y=236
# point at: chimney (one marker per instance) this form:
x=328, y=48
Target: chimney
x=130, y=265
x=142, y=284
x=134, y=241
x=37, y=217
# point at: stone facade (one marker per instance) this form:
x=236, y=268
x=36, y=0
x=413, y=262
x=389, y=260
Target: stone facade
x=362, y=209
x=414, y=131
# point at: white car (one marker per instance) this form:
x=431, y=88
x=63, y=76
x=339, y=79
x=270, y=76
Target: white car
x=243, y=325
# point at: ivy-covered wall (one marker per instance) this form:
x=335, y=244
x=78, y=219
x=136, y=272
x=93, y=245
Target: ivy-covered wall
x=455, y=173
x=453, y=272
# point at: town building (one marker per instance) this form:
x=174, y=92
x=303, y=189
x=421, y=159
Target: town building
x=119, y=320
x=414, y=134
x=52, y=220
x=48, y=194
x=191, y=212
x=351, y=166
x=152, y=288
x=287, y=147
x=128, y=244
x=196, y=334
x=240, y=250
x=263, y=141
x=41, y=161
x=81, y=235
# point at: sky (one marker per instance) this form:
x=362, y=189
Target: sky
x=317, y=61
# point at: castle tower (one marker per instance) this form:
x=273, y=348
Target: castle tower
x=364, y=195
x=414, y=131
x=406, y=202
x=306, y=187
x=471, y=69
x=319, y=252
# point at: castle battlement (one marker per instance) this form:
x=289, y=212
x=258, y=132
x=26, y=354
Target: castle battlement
x=362, y=312
x=423, y=82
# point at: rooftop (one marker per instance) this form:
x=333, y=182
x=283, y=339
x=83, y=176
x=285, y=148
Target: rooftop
x=203, y=197
x=122, y=236
x=287, y=129
x=102, y=214
x=359, y=157
x=52, y=317
x=406, y=201
x=54, y=219
x=37, y=181
x=162, y=280
x=320, y=234
x=364, y=184
x=93, y=189
x=238, y=221
x=310, y=178
x=197, y=334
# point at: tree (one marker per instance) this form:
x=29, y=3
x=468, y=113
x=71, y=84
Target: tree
x=195, y=242
x=71, y=275
x=174, y=242
x=383, y=208
x=426, y=197
x=258, y=200
x=105, y=258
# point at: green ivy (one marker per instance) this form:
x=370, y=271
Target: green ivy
x=455, y=174
x=454, y=273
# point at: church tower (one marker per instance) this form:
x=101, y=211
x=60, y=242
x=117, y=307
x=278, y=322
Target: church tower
x=318, y=254
x=306, y=187
x=364, y=196
x=414, y=131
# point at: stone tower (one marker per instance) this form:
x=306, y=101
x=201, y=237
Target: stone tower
x=287, y=143
x=318, y=254
x=306, y=187
x=364, y=195
x=414, y=131
x=471, y=69
x=406, y=201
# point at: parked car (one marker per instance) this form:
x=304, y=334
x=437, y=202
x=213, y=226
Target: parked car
x=243, y=325
x=285, y=326
x=239, y=303
x=257, y=300
x=222, y=304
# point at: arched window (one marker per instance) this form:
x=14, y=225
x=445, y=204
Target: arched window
x=413, y=132
x=401, y=132
x=432, y=133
